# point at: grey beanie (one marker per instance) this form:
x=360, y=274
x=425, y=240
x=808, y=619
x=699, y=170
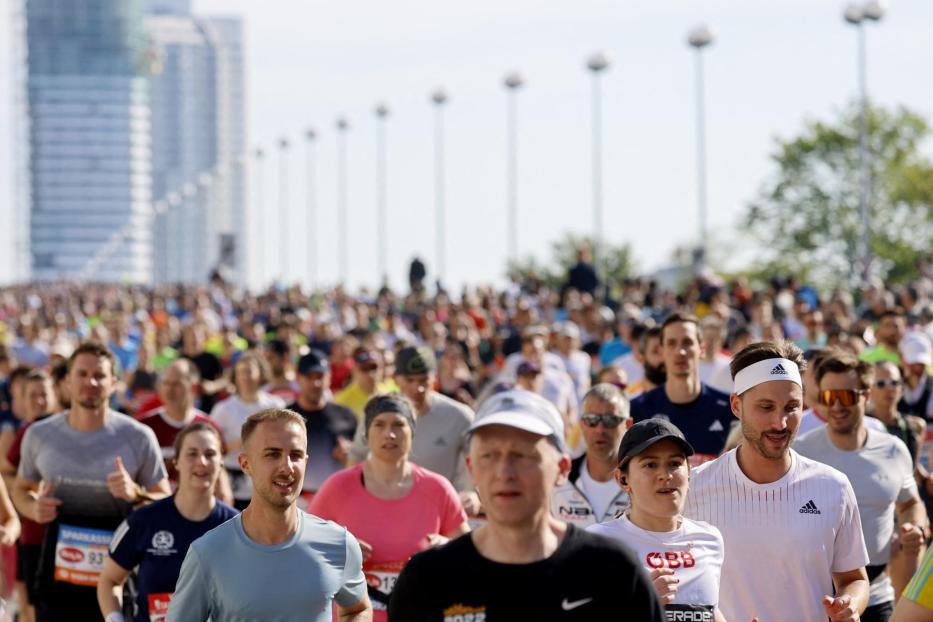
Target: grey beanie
x=388, y=403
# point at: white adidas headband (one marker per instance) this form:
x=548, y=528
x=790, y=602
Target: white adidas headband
x=766, y=371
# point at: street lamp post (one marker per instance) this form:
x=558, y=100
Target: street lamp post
x=699, y=38
x=259, y=204
x=440, y=98
x=382, y=114
x=513, y=82
x=312, y=235
x=284, y=224
x=597, y=64
x=857, y=14
x=343, y=253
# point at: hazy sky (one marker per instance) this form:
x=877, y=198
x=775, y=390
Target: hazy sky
x=773, y=65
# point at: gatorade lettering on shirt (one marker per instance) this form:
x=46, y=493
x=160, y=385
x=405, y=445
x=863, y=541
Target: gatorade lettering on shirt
x=80, y=554
x=689, y=613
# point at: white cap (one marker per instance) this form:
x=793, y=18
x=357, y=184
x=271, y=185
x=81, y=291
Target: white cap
x=916, y=348
x=569, y=329
x=524, y=410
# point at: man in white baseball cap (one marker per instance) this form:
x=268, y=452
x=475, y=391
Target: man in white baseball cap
x=523, y=564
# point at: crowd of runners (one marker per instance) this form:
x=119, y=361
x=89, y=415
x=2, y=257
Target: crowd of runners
x=719, y=452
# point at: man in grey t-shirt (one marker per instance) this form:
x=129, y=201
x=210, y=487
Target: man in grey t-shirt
x=273, y=562
x=440, y=441
x=80, y=473
x=880, y=470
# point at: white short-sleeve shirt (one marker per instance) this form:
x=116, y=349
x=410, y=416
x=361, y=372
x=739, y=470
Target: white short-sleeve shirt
x=694, y=552
x=783, y=540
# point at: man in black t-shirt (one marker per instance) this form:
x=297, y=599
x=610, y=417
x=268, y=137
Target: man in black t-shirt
x=330, y=426
x=701, y=412
x=523, y=564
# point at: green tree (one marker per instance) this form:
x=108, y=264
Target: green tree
x=806, y=217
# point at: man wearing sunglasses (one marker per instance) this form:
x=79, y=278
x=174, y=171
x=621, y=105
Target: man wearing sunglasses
x=590, y=495
x=886, y=392
x=881, y=472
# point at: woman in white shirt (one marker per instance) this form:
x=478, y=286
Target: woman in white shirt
x=683, y=557
x=250, y=372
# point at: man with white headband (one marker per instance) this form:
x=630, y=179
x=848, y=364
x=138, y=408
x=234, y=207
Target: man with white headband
x=793, y=537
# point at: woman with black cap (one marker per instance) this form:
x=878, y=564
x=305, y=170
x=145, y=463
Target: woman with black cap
x=683, y=557
x=391, y=505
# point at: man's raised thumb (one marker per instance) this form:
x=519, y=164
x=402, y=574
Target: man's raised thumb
x=118, y=463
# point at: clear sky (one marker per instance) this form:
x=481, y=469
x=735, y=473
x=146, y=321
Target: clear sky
x=773, y=65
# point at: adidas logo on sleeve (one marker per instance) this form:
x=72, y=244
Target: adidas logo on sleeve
x=778, y=370
x=810, y=508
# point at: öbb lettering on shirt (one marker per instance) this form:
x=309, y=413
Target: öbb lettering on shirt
x=670, y=559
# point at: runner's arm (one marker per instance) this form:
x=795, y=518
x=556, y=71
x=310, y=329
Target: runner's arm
x=905, y=559
x=28, y=499
x=360, y=612
x=191, y=601
x=909, y=611
x=854, y=584
x=109, y=587
x=9, y=521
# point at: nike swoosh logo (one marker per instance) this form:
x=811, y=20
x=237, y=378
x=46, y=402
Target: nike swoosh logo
x=567, y=605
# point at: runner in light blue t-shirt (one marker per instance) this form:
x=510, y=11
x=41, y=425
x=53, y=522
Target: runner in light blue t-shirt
x=273, y=562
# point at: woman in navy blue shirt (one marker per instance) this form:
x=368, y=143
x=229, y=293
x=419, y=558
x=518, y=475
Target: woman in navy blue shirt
x=156, y=538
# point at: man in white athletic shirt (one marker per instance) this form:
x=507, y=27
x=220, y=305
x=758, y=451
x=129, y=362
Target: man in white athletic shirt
x=590, y=494
x=881, y=472
x=790, y=524
x=683, y=557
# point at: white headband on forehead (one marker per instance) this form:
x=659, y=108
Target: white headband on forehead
x=766, y=371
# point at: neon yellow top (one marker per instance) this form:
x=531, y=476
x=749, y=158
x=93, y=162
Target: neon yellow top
x=920, y=588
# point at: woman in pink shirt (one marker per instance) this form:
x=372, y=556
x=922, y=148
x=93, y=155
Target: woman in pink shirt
x=393, y=507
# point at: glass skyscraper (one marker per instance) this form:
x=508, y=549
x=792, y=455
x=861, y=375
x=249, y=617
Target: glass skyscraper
x=91, y=213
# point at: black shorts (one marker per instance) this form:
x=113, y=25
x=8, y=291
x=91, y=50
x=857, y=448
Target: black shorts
x=27, y=565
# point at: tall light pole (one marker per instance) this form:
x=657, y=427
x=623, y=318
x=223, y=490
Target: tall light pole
x=343, y=253
x=284, y=220
x=857, y=14
x=312, y=233
x=597, y=64
x=512, y=82
x=439, y=97
x=259, y=204
x=382, y=114
x=699, y=38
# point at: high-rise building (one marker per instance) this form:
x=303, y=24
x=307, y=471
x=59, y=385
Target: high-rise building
x=14, y=153
x=91, y=174
x=198, y=128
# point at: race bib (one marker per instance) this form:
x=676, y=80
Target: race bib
x=380, y=579
x=80, y=554
x=158, y=606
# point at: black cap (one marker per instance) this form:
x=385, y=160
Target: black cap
x=646, y=433
x=528, y=368
x=278, y=346
x=413, y=361
x=314, y=361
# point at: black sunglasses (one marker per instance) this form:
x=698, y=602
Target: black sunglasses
x=609, y=421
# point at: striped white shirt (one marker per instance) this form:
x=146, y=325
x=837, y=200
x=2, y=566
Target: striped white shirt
x=783, y=540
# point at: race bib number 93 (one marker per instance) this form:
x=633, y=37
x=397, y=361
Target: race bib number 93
x=80, y=554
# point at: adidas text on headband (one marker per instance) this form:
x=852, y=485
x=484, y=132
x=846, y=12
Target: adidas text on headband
x=766, y=371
